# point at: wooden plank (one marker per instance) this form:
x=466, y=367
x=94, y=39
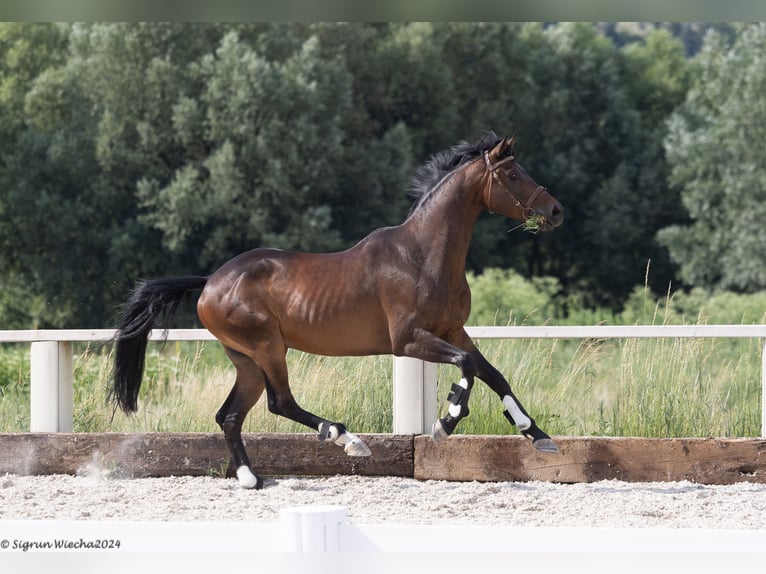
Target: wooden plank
x=460, y=458
x=512, y=458
x=197, y=454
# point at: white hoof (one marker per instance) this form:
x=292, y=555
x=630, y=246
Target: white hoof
x=246, y=478
x=352, y=444
x=357, y=448
x=438, y=434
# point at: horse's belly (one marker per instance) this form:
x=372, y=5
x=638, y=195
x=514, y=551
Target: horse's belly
x=350, y=336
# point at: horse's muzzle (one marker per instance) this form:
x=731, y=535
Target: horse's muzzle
x=554, y=217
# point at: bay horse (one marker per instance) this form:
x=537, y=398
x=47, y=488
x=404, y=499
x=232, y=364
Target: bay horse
x=401, y=290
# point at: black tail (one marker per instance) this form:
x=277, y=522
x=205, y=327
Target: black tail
x=147, y=301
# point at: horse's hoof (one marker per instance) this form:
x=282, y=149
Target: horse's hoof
x=545, y=445
x=438, y=434
x=247, y=479
x=357, y=448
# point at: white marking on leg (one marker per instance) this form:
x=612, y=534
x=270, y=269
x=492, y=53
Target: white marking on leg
x=522, y=421
x=454, y=409
x=246, y=477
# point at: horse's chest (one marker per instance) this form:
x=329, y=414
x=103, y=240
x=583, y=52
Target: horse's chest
x=445, y=301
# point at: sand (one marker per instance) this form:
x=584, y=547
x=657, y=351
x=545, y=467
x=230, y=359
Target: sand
x=94, y=496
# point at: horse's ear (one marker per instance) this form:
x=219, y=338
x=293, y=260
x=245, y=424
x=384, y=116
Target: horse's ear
x=504, y=148
x=501, y=147
x=508, y=150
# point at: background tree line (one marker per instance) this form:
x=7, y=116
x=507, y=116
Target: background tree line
x=136, y=150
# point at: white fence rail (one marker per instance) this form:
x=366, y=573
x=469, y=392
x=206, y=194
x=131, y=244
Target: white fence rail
x=414, y=408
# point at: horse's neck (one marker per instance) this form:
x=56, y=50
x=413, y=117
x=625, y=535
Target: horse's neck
x=443, y=227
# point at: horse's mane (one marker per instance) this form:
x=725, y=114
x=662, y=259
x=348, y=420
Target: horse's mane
x=426, y=177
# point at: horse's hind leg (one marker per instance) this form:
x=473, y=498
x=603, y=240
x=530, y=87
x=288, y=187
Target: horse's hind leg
x=247, y=390
x=282, y=402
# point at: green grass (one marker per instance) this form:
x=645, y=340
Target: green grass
x=14, y=387
x=185, y=384
x=629, y=387
x=616, y=387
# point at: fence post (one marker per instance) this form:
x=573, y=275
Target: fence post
x=415, y=406
x=311, y=528
x=51, y=393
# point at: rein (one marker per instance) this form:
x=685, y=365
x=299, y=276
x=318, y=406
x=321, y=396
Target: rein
x=526, y=208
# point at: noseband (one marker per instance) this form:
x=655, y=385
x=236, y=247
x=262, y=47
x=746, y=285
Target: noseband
x=526, y=208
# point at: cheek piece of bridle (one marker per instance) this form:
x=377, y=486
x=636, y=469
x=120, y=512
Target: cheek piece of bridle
x=526, y=208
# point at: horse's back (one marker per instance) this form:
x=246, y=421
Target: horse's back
x=321, y=303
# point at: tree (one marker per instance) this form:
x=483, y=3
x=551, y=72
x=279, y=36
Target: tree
x=270, y=136
x=636, y=201
x=166, y=148
x=73, y=166
x=713, y=146
x=32, y=170
x=589, y=119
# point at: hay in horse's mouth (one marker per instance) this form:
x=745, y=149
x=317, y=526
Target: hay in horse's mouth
x=535, y=222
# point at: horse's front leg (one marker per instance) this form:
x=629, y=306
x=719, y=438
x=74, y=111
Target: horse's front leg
x=428, y=347
x=514, y=411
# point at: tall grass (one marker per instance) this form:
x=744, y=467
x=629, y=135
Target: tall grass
x=185, y=384
x=14, y=387
x=631, y=387
x=625, y=387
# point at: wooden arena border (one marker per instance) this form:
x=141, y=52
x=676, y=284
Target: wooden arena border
x=461, y=458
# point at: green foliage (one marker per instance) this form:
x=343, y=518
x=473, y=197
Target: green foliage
x=721, y=308
x=503, y=297
x=14, y=365
x=606, y=166
x=632, y=387
x=718, y=167
x=272, y=134
x=145, y=149
x=14, y=387
x=166, y=148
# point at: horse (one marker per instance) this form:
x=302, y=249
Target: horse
x=401, y=290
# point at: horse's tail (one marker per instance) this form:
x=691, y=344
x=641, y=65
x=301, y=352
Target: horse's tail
x=147, y=301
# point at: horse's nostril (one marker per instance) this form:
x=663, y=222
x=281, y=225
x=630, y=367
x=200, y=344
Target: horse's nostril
x=556, y=211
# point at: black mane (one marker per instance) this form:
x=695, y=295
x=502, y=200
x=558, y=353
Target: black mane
x=429, y=174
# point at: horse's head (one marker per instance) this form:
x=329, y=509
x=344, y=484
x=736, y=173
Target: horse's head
x=510, y=191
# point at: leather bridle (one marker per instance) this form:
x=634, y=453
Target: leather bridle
x=526, y=206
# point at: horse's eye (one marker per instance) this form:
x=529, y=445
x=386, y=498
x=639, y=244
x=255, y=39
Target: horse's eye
x=513, y=175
